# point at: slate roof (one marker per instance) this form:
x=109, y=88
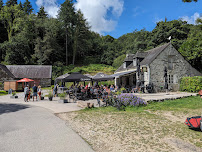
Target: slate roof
x=31, y=71
x=140, y=55
x=129, y=57
x=4, y=68
x=62, y=76
x=88, y=75
x=148, y=56
x=102, y=77
x=153, y=53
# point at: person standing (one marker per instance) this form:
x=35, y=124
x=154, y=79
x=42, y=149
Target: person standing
x=39, y=92
x=26, y=92
x=34, y=91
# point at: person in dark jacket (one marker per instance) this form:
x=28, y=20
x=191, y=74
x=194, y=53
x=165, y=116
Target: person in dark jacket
x=35, y=90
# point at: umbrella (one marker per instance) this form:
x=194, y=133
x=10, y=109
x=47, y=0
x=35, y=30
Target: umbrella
x=166, y=78
x=25, y=80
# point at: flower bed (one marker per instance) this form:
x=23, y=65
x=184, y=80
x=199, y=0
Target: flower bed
x=129, y=99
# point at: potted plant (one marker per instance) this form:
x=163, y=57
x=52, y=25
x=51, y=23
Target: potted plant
x=123, y=90
x=14, y=95
x=42, y=96
x=62, y=97
x=50, y=96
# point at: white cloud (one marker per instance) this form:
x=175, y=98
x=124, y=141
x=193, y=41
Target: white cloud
x=95, y=11
x=192, y=19
x=50, y=6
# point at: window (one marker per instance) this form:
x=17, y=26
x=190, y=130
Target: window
x=170, y=62
x=170, y=78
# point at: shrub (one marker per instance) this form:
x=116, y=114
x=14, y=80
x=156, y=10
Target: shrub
x=191, y=84
x=13, y=93
x=128, y=99
x=50, y=94
x=62, y=95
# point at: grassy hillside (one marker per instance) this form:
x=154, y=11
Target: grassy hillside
x=91, y=69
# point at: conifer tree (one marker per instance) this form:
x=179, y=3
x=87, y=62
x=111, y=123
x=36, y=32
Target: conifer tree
x=11, y=2
x=42, y=13
x=1, y=4
x=27, y=7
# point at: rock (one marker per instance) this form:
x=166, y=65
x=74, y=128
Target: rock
x=85, y=104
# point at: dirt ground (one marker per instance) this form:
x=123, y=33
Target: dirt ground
x=135, y=131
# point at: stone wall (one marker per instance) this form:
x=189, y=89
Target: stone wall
x=45, y=82
x=170, y=57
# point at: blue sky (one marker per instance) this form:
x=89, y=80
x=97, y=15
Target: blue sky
x=118, y=17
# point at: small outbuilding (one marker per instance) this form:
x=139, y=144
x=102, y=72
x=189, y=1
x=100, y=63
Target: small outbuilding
x=41, y=74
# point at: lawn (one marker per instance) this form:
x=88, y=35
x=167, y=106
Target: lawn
x=3, y=93
x=155, y=127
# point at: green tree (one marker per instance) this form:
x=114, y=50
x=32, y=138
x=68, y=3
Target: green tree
x=27, y=7
x=66, y=16
x=11, y=3
x=1, y=4
x=11, y=18
x=118, y=61
x=177, y=29
x=20, y=4
x=191, y=48
x=47, y=50
x=80, y=36
x=42, y=13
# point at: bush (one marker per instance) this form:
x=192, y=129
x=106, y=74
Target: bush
x=14, y=93
x=128, y=99
x=191, y=84
x=62, y=95
x=50, y=94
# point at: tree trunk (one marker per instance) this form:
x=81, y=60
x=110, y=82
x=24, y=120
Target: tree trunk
x=75, y=47
x=66, y=49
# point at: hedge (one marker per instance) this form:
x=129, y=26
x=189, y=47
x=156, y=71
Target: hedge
x=191, y=84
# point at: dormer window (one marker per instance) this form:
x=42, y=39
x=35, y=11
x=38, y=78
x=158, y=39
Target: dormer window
x=124, y=65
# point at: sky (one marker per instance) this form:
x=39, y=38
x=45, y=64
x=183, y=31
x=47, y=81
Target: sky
x=119, y=17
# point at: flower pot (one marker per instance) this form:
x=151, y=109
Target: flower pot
x=13, y=97
x=63, y=101
x=50, y=98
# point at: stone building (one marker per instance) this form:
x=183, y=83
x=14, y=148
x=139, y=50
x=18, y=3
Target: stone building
x=41, y=74
x=152, y=65
x=5, y=75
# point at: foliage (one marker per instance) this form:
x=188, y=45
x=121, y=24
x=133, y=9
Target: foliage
x=50, y=94
x=191, y=48
x=130, y=100
x=27, y=7
x=13, y=93
x=62, y=95
x=3, y=93
x=28, y=38
x=191, y=84
x=118, y=61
